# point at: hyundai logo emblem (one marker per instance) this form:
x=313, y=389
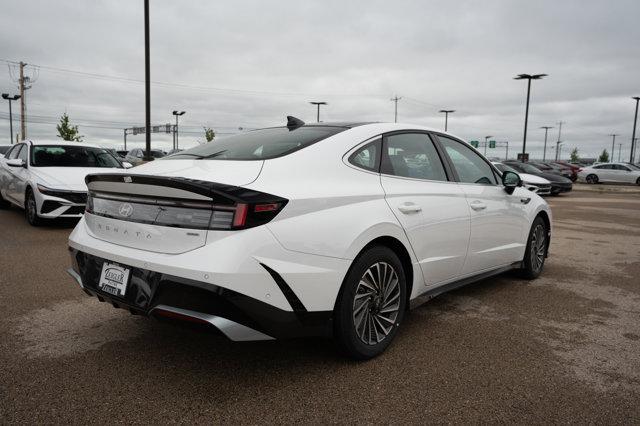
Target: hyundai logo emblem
x=125, y=210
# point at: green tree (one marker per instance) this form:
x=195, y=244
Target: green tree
x=575, y=158
x=604, y=157
x=209, y=134
x=66, y=131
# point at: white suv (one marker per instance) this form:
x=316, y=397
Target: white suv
x=315, y=230
x=47, y=179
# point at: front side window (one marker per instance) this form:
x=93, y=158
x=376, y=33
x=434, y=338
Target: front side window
x=367, y=157
x=471, y=168
x=411, y=155
x=23, y=153
x=260, y=144
x=72, y=156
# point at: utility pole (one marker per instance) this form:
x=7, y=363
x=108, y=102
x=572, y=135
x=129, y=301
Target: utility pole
x=10, y=98
x=619, y=151
x=633, y=137
x=318, y=105
x=446, y=116
x=546, y=130
x=613, y=143
x=125, y=139
x=560, y=123
x=396, y=99
x=23, y=121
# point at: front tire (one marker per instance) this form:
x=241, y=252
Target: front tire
x=536, y=251
x=31, y=209
x=371, y=304
x=638, y=181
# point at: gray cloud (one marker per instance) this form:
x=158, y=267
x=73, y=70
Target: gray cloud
x=270, y=59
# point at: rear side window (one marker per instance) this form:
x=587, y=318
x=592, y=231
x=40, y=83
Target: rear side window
x=411, y=155
x=471, y=168
x=367, y=157
x=260, y=144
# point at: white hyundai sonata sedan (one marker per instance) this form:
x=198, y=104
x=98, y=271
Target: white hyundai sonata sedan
x=306, y=230
x=47, y=178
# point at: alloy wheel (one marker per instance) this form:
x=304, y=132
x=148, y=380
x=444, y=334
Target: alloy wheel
x=31, y=208
x=538, y=247
x=376, y=304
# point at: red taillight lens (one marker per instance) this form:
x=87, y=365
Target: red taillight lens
x=240, y=216
x=266, y=207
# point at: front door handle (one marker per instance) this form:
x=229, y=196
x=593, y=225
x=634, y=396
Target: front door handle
x=409, y=208
x=478, y=205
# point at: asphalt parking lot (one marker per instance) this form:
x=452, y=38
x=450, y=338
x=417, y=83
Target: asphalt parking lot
x=564, y=348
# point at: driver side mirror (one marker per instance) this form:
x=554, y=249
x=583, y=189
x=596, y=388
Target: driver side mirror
x=511, y=181
x=16, y=162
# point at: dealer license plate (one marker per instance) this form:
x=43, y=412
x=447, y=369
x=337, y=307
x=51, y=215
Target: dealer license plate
x=114, y=279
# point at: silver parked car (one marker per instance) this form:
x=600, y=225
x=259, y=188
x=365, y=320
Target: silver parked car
x=610, y=172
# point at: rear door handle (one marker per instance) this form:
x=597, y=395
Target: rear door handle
x=478, y=205
x=409, y=208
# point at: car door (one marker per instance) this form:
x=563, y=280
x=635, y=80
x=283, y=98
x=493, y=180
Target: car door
x=430, y=207
x=622, y=173
x=14, y=174
x=22, y=175
x=499, y=221
x=605, y=172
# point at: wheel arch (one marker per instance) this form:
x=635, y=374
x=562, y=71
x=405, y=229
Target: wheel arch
x=400, y=249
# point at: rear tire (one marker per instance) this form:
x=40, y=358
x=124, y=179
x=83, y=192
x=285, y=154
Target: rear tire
x=536, y=252
x=31, y=209
x=371, y=304
x=592, y=179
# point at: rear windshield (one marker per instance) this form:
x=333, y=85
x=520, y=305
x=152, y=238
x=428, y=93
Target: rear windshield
x=72, y=156
x=260, y=144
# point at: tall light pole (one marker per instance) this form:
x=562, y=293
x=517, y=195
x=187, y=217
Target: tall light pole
x=318, y=105
x=10, y=98
x=619, y=151
x=486, y=138
x=177, y=114
x=527, y=77
x=613, y=143
x=560, y=123
x=633, y=137
x=147, y=85
x=546, y=130
x=396, y=99
x=446, y=116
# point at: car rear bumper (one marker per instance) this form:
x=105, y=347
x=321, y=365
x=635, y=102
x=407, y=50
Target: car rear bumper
x=238, y=316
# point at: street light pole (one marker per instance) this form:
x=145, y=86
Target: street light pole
x=527, y=77
x=147, y=84
x=486, y=138
x=546, y=130
x=10, y=98
x=175, y=133
x=446, y=116
x=633, y=137
x=613, y=143
x=560, y=123
x=318, y=105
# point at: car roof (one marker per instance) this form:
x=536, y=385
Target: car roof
x=60, y=143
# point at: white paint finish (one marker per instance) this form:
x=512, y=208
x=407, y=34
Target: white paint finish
x=230, y=172
x=160, y=239
x=499, y=222
x=439, y=231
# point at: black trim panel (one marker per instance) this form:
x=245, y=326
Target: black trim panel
x=289, y=294
x=147, y=289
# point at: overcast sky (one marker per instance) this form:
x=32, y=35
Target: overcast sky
x=250, y=63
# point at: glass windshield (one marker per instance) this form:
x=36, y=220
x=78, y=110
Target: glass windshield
x=504, y=168
x=259, y=144
x=72, y=156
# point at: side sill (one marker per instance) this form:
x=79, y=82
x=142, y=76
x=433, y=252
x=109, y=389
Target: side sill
x=433, y=292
